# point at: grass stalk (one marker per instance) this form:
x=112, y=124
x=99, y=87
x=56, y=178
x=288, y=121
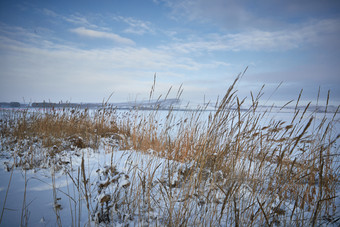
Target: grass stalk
x=7, y=190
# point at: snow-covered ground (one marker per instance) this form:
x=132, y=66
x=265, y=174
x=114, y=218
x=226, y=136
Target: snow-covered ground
x=53, y=193
x=111, y=186
x=49, y=194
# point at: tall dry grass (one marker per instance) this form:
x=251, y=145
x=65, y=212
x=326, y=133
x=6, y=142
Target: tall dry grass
x=242, y=172
x=291, y=161
x=52, y=125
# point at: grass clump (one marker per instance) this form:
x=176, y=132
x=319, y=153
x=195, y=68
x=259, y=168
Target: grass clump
x=259, y=165
x=52, y=126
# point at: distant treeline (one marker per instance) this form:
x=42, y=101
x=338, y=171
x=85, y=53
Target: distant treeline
x=61, y=105
x=48, y=105
x=10, y=104
x=142, y=105
x=173, y=104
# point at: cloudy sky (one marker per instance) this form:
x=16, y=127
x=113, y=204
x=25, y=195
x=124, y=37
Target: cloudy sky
x=82, y=51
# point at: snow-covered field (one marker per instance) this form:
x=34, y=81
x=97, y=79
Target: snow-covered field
x=113, y=185
x=53, y=193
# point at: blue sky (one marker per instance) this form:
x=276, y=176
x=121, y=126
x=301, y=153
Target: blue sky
x=82, y=51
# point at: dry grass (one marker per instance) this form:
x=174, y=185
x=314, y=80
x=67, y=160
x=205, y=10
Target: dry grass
x=281, y=161
x=53, y=126
x=258, y=169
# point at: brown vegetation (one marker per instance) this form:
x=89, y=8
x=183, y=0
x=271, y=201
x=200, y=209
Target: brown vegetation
x=274, y=163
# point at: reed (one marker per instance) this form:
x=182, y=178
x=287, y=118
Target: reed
x=241, y=167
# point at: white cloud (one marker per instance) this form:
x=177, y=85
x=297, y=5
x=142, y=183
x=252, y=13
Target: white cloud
x=228, y=13
x=49, y=13
x=239, y=15
x=258, y=40
x=79, y=20
x=38, y=72
x=74, y=19
x=104, y=35
x=138, y=27
x=43, y=66
x=315, y=33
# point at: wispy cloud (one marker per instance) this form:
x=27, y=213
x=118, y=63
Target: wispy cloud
x=238, y=15
x=75, y=55
x=103, y=35
x=317, y=33
x=79, y=20
x=314, y=33
x=66, y=71
x=138, y=27
x=74, y=19
x=135, y=26
x=218, y=10
x=49, y=12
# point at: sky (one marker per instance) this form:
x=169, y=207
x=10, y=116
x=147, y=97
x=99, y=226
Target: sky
x=84, y=51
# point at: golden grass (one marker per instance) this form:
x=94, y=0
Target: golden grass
x=275, y=163
x=54, y=125
x=291, y=161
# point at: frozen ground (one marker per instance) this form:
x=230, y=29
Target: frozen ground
x=48, y=195
x=53, y=193
x=110, y=186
